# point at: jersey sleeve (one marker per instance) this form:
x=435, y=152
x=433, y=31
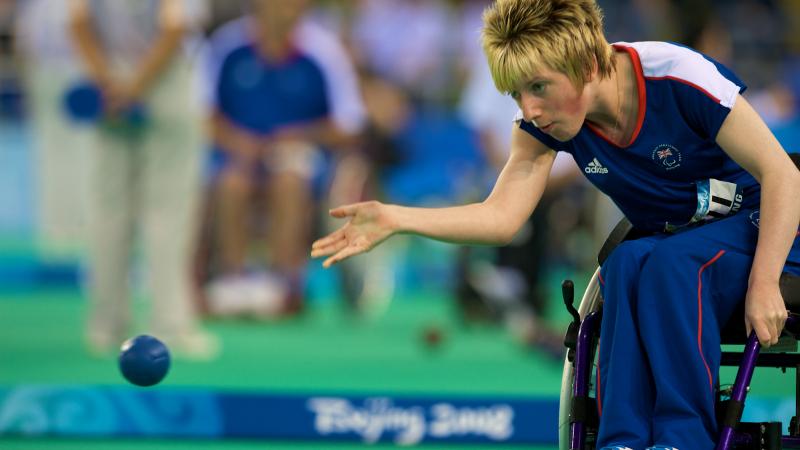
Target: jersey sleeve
x=704, y=89
x=344, y=97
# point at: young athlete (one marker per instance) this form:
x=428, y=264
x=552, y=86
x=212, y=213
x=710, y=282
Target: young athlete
x=664, y=131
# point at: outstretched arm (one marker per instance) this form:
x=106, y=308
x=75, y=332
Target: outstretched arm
x=746, y=138
x=494, y=221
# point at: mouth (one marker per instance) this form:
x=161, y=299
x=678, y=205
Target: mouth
x=547, y=127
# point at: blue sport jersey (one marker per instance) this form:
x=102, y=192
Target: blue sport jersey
x=261, y=96
x=672, y=173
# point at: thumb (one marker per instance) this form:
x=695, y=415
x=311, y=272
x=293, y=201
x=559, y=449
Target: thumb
x=747, y=327
x=343, y=211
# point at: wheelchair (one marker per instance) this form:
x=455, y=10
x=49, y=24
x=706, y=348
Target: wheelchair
x=578, y=417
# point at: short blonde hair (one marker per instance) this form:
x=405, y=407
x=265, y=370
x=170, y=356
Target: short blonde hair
x=520, y=37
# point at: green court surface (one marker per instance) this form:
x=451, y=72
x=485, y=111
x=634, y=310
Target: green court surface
x=325, y=351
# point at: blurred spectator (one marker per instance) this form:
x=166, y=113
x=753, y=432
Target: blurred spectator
x=222, y=12
x=774, y=96
x=283, y=92
x=144, y=176
x=634, y=20
x=421, y=61
x=59, y=146
x=759, y=34
x=8, y=89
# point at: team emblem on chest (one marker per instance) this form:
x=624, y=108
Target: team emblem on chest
x=667, y=156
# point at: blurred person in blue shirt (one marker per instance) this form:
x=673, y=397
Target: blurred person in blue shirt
x=283, y=92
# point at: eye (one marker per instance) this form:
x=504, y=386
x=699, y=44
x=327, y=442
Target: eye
x=536, y=88
x=514, y=95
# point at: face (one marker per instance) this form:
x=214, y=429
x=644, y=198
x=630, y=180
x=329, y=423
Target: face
x=280, y=17
x=552, y=103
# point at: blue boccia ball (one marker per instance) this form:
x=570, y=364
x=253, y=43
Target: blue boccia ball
x=144, y=360
x=84, y=102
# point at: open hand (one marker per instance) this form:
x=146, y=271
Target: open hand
x=765, y=312
x=369, y=225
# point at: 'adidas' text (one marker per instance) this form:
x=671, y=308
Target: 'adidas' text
x=594, y=166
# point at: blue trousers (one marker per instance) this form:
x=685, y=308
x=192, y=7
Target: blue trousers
x=666, y=297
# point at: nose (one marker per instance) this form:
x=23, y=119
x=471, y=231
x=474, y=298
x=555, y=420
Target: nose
x=530, y=106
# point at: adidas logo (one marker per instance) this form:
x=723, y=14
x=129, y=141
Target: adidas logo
x=594, y=166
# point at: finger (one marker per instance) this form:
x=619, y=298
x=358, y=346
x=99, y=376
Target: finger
x=342, y=255
x=774, y=333
x=329, y=249
x=784, y=318
x=344, y=211
x=325, y=243
x=328, y=240
x=762, y=331
x=774, y=329
x=323, y=251
x=775, y=326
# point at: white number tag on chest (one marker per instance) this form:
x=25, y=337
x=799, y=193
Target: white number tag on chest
x=716, y=199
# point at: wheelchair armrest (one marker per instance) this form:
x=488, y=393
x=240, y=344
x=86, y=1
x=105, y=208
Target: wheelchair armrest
x=623, y=231
x=617, y=235
x=790, y=290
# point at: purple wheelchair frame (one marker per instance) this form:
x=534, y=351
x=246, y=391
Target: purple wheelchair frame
x=734, y=434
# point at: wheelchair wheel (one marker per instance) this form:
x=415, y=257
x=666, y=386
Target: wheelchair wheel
x=590, y=302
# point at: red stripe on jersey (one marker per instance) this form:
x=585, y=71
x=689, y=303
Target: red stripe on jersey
x=688, y=83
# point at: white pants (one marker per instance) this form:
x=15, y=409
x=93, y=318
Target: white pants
x=146, y=184
x=60, y=149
